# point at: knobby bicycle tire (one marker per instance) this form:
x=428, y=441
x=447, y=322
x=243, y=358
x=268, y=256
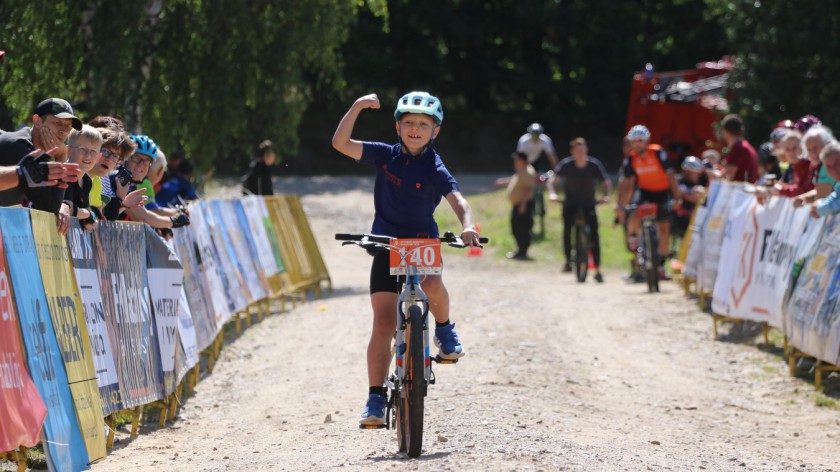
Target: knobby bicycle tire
x=651, y=259
x=581, y=253
x=414, y=365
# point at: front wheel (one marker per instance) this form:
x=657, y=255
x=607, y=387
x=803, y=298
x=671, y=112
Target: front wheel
x=581, y=253
x=651, y=258
x=413, y=387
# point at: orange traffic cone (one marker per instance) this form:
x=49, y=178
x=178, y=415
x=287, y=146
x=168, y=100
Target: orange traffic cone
x=475, y=250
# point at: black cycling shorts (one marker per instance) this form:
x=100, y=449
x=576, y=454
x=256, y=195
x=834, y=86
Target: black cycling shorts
x=381, y=279
x=661, y=199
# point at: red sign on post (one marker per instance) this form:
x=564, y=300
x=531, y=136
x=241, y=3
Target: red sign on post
x=22, y=411
x=421, y=253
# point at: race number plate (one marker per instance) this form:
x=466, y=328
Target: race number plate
x=422, y=253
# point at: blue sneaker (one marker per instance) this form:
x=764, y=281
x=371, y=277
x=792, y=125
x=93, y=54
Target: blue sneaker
x=374, y=414
x=449, y=346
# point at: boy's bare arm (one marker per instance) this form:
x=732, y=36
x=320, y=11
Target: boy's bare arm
x=341, y=139
x=463, y=211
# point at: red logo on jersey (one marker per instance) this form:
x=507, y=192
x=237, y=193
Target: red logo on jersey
x=417, y=185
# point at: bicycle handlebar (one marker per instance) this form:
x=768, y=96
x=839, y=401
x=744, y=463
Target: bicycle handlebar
x=448, y=238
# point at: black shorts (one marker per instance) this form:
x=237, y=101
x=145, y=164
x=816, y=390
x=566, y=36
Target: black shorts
x=381, y=279
x=661, y=199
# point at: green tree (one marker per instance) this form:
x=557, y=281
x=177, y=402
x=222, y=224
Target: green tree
x=785, y=65
x=211, y=77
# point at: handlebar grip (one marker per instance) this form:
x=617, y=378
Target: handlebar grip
x=346, y=237
x=483, y=240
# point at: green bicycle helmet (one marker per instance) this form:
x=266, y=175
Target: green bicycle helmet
x=145, y=145
x=419, y=102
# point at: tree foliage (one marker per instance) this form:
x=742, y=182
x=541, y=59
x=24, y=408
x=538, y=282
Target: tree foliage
x=786, y=62
x=212, y=77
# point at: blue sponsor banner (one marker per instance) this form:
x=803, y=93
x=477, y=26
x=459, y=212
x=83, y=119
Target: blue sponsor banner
x=65, y=447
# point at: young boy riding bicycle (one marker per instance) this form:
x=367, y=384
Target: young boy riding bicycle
x=410, y=182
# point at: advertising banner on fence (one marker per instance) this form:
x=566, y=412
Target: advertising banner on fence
x=734, y=265
x=186, y=357
x=777, y=228
x=196, y=287
x=237, y=292
x=21, y=408
x=120, y=254
x=271, y=232
x=64, y=445
x=241, y=255
x=68, y=318
x=81, y=254
x=695, y=248
x=165, y=280
x=713, y=233
x=257, y=241
x=812, y=318
x=222, y=292
x=252, y=209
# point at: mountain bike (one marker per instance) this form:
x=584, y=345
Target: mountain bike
x=408, y=384
x=582, y=244
x=647, y=254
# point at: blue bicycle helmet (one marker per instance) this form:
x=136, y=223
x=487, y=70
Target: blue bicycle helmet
x=145, y=145
x=419, y=102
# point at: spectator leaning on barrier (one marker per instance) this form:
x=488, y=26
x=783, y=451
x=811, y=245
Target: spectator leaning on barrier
x=116, y=147
x=802, y=169
x=138, y=165
x=815, y=139
x=258, y=179
x=830, y=157
x=85, y=146
x=768, y=165
x=158, y=170
x=52, y=121
x=741, y=160
x=153, y=204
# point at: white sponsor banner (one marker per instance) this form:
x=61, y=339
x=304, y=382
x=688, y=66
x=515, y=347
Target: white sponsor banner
x=254, y=210
x=236, y=292
x=241, y=258
x=734, y=265
x=713, y=232
x=776, y=229
x=695, y=247
x=187, y=355
x=213, y=276
x=812, y=317
x=165, y=286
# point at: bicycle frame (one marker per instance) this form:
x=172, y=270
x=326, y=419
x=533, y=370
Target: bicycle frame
x=412, y=294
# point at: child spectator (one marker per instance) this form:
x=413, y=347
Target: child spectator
x=178, y=187
x=258, y=179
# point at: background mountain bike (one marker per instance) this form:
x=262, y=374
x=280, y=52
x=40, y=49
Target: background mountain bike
x=409, y=382
x=647, y=254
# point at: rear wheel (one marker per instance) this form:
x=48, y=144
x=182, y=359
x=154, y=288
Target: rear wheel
x=581, y=253
x=413, y=388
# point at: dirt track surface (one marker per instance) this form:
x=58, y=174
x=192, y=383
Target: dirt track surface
x=558, y=376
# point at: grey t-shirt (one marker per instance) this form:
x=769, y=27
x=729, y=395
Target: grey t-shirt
x=579, y=182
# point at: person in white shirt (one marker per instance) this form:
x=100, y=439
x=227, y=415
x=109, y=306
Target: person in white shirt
x=534, y=144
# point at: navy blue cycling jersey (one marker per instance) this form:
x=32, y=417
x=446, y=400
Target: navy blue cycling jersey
x=407, y=190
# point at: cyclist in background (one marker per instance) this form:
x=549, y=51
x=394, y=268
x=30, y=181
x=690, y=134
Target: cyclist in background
x=580, y=174
x=534, y=143
x=692, y=183
x=648, y=168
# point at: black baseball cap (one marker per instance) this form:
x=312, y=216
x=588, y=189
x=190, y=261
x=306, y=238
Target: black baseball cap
x=58, y=108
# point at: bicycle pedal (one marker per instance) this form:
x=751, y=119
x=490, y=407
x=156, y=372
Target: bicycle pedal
x=373, y=426
x=441, y=360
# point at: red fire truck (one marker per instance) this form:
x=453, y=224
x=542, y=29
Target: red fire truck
x=681, y=108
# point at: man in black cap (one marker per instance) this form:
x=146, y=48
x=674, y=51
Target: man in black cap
x=52, y=121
